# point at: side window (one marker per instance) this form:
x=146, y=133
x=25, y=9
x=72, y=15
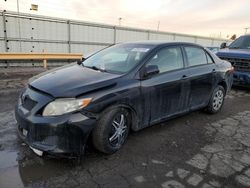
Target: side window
x=209, y=59
x=167, y=59
x=195, y=56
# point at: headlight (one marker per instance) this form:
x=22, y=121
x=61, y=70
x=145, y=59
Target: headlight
x=63, y=106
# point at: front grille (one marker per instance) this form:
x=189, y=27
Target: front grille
x=239, y=64
x=28, y=103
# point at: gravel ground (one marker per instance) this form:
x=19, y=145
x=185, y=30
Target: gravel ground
x=196, y=150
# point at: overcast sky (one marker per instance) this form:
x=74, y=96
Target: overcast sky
x=199, y=17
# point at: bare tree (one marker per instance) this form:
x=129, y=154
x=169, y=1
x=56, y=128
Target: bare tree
x=233, y=37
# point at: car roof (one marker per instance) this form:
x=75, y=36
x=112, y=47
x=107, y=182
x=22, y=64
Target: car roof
x=161, y=43
x=247, y=35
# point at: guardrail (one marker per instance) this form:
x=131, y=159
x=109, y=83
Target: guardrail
x=40, y=56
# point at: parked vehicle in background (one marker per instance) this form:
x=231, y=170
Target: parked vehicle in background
x=238, y=54
x=214, y=49
x=124, y=87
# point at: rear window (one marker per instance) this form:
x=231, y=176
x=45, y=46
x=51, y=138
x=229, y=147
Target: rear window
x=209, y=59
x=196, y=56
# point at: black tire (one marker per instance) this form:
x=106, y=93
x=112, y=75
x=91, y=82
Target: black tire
x=102, y=134
x=212, y=107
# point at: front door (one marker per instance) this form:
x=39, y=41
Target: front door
x=165, y=93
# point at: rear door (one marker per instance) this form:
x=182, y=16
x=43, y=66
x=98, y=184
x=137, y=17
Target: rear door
x=202, y=76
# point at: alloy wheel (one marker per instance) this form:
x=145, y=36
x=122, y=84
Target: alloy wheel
x=118, y=130
x=218, y=100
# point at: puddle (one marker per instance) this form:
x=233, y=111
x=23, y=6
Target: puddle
x=8, y=159
x=41, y=169
x=10, y=178
x=9, y=172
x=19, y=172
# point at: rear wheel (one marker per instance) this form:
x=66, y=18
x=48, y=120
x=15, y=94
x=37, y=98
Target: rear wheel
x=217, y=100
x=112, y=130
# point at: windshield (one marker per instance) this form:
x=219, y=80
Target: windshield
x=242, y=42
x=119, y=58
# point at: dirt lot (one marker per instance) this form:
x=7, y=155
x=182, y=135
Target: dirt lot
x=196, y=150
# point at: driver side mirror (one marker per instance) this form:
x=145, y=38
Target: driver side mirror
x=149, y=71
x=79, y=62
x=223, y=45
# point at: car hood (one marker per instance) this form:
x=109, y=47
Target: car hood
x=234, y=53
x=72, y=81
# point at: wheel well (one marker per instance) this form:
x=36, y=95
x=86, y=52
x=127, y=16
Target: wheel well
x=134, y=119
x=224, y=85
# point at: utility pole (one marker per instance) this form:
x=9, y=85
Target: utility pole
x=246, y=29
x=19, y=26
x=158, y=25
x=120, y=21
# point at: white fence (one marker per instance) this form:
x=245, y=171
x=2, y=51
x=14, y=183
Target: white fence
x=32, y=33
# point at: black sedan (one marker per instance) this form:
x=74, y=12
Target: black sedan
x=125, y=87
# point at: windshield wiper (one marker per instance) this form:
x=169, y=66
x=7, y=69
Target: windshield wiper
x=95, y=68
x=235, y=47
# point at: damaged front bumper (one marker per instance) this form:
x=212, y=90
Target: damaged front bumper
x=64, y=135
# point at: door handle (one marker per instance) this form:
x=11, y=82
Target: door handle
x=213, y=71
x=184, y=77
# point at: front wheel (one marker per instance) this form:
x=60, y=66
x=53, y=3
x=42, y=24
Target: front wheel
x=217, y=100
x=112, y=130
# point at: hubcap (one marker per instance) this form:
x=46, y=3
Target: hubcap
x=218, y=100
x=118, y=132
